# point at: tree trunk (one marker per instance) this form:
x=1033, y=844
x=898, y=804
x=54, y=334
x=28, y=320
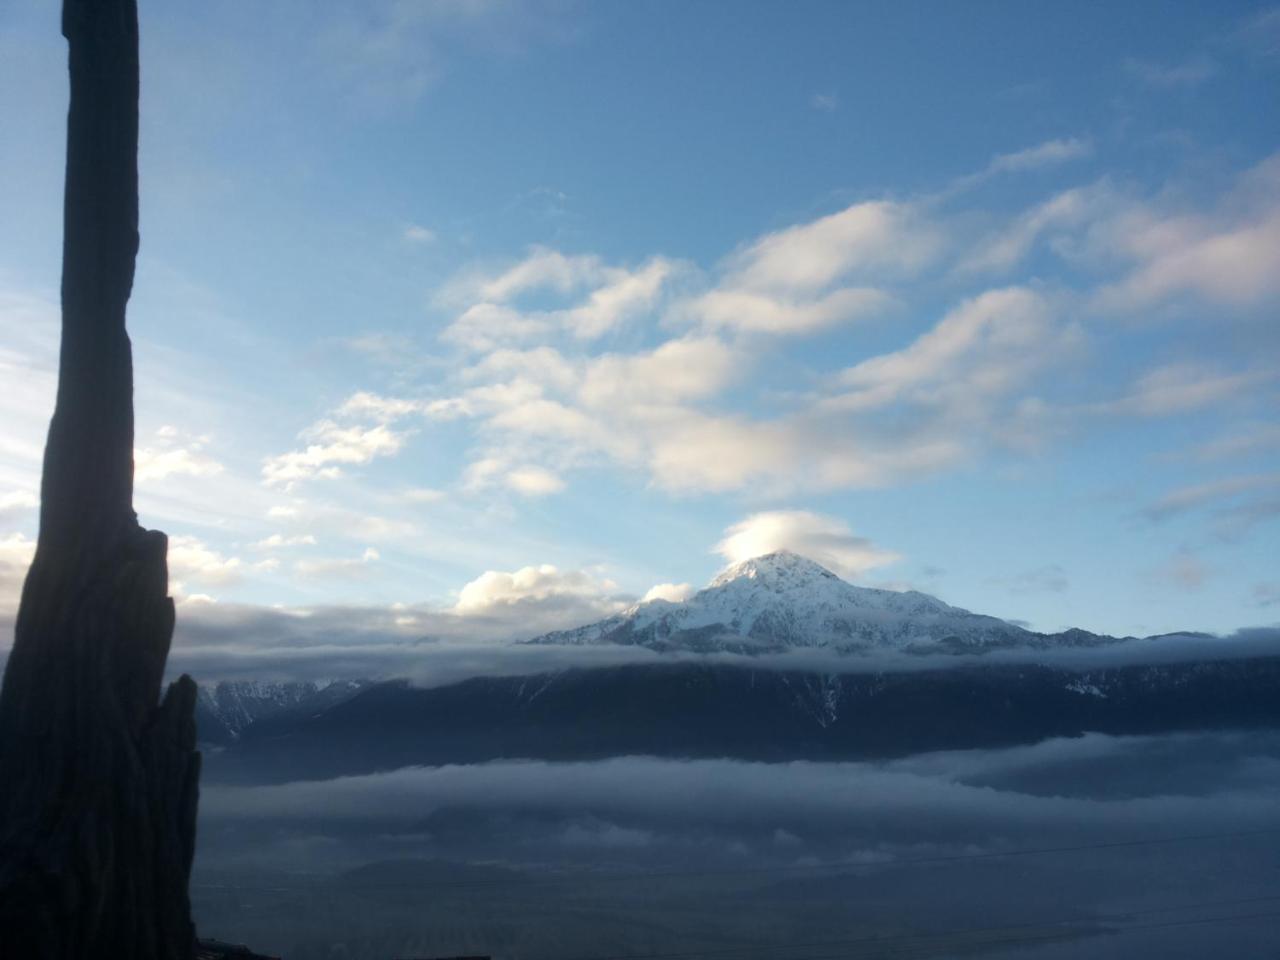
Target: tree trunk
x=98, y=779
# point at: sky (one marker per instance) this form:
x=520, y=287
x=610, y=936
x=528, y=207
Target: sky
x=513, y=313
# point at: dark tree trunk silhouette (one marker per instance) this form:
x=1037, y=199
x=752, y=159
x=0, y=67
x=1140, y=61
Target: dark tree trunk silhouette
x=98, y=778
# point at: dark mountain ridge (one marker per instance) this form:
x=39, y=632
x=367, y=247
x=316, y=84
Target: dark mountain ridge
x=700, y=709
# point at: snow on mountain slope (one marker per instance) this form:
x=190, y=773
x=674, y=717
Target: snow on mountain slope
x=783, y=601
x=237, y=704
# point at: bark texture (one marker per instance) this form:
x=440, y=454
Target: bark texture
x=98, y=778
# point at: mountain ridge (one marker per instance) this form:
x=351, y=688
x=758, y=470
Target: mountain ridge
x=782, y=600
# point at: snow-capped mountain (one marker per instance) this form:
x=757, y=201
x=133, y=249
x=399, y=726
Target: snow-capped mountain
x=784, y=601
x=226, y=709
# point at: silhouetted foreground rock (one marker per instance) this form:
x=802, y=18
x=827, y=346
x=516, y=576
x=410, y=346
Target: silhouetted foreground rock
x=98, y=780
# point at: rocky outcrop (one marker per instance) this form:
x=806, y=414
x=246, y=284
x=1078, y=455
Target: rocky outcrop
x=98, y=777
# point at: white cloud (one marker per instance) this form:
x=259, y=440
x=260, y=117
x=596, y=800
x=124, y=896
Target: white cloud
x=626, y=294
x=675, y=372
x=190, y=559
x=332, y=445
x=825, y=540
x=1008, y=246
x=16, y=554
x=278, y=541
x=416, y=233
x=1049, y=153
x=173, y=453
x=17, y=503
x=982, y=349
x=671, y=592
x=497, y=590
x=422, y=495
x=613, y=296
x=875, y=235
x=542, y=269
x=534, y=481
x=337, y=566
x=1191, y=73
x=527, y=480
x=1243, y=441
x=1213, y=492
x=1230, y=256
x=826, y=102
x=757, y=312
x=375, y=407
x=1182, y=388
x=485, y=326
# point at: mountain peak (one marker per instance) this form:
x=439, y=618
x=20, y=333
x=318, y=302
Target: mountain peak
x=781, y=600
x=776, y=567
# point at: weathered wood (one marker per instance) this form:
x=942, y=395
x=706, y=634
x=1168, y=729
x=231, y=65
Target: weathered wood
x=98, y=778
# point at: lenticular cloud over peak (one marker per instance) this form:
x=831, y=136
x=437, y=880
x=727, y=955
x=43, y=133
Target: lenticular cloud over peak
x=826, y=540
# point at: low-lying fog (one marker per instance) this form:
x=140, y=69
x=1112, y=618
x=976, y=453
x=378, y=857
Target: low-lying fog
x=1099, y=847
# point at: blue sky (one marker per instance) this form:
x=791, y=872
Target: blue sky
x=485, y=308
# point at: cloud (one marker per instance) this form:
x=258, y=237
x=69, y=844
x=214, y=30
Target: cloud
x=419, y=495
x=826, y=102
x=1008, y=246
x=16, y=554
x=1183, y=387
x=1230, y=256
x=1244, y=440
x=543, y=269
x=1049, y=153
x=625, y=295
x=1260, y=33
x=870, y=236
x=1191, y=73
x=981, y=350
x=372, y=406
x=826, y=540
x=173, y=453
x=278, y=541
x=389, y=54
x=704, y=412
x=534, y=481
x=497, y=590
x=332, y=445
x=613, y=295
x=17, y=503
x=752, y=311
x=193, y=561
x=644, y=409
x=415, y=233
x=435, y=645
x=527, y=481
x=1183, y=571
x=670, y=592
x=330, y=567
x=1050, y=578
x=1266, y=594
x=982, y=801
x=1185, y=499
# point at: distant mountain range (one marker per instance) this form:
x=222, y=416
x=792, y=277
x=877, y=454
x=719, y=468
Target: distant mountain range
x=226, y=710
x=690, y=709
x=783, y=601
x=748, y=709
